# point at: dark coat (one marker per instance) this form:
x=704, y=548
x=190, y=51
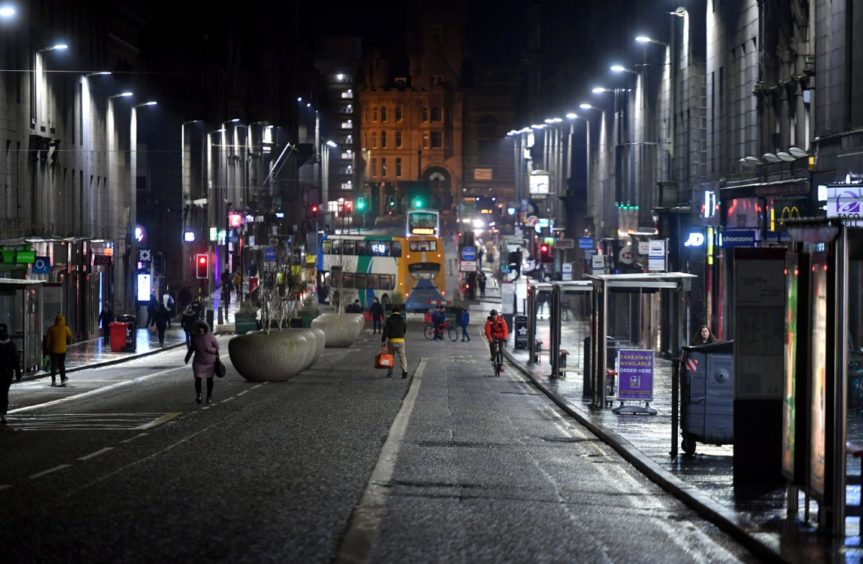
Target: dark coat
x=394, y=328
x=9, y=361
x=377, y=310
x=163, y=317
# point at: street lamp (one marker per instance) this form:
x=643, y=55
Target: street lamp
x=36, y=78
x=620, y=68
x=644, y=39
x=150, y=103
x=7, y=11
x=121, y=95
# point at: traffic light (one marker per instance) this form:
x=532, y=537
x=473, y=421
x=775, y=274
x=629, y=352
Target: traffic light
x=361, y=205
x=314, y=211
x=349, y=206
x=545, y=253
x=391, y=202
x=202, y=266
x=418, y=203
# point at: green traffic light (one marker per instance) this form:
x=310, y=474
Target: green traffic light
x=418, y=203
x=361, y=204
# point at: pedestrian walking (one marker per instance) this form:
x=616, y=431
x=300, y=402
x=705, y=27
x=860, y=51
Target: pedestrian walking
x=394, y=337
x=377, y=312
x=187, y=322
x=163, y=317
x=205, y=348
x=9, y=367
x=703, y=337
x=152, y=309
x=227, y=286
x=168, y=302
x=56, y=340
x=480, y=279
x=464, y=321
x=106, y=317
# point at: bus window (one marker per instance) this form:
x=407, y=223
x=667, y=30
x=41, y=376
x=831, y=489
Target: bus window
x=397, y=249
x=337, y=247
x=348, y=280
x=423, y=246
x=361, y=280
x=327, y=246
x=348, y=247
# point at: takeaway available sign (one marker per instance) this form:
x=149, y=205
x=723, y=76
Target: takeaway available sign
x=845, y=202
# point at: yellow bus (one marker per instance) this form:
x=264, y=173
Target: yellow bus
x=362, y=267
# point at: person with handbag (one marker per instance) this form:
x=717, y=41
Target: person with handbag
x=205, y=347
x=393, y=336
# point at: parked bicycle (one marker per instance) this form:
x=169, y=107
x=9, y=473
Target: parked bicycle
x=445, y=329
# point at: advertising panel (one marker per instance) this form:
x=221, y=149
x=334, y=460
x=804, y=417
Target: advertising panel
x=789, y=392
x=538, y=184
x=818, y=394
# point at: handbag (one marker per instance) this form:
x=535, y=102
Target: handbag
x=384, y=359
x=220, y=369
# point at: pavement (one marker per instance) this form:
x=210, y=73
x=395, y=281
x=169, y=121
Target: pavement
x=702, y=481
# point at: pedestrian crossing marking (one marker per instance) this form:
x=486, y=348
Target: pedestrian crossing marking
x=89, y=421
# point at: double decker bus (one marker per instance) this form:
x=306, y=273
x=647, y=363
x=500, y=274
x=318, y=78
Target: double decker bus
x=422, y=223
x=362, y=267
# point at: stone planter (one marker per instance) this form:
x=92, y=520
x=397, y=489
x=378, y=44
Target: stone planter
x=340, y=330
x=261, y=357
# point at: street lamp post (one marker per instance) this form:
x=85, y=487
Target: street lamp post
x=36, y=78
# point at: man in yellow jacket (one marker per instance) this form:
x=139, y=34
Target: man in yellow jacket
x=56, y=339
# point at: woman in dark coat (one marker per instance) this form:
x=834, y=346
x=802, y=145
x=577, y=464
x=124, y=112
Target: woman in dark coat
x=163, y=317
x=703, y=337
x=8, y=366
x=205, y=347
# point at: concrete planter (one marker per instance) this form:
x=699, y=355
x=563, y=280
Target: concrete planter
x=260, y=357
x=341, y=330
x=317, y=340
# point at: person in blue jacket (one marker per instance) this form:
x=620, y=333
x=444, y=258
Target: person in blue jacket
x=464, y=321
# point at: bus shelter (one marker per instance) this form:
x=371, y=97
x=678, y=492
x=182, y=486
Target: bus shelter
x=822, y=389
x=20, y=310
x=629, y=308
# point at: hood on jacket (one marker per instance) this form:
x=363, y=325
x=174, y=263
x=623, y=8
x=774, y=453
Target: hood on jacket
x=198, y=324
x=59, y=320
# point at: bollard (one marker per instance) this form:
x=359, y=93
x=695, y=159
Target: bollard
x=675, y=403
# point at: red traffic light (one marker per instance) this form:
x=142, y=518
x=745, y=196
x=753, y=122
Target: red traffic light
x=543, y=249
x=202, y=266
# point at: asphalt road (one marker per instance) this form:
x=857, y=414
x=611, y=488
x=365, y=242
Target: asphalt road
x=338, y=464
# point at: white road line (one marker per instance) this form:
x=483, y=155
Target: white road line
x=244, y=392
x=46, y=472
x=365, y=521
x=159, y=421
x=232, y=398
x=5, y=486
x=97, y=453
x=129, y=440
x=93, y=392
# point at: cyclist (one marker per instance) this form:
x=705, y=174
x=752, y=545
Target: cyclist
x=496, y=331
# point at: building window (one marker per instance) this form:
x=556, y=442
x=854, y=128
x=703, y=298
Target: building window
x=383, y=168
x=398, y=113
x=425, y=113
x=366, y=140
x=374, y=139
x=366, y=114
x=398, y=167
x=436, y=140
x=375, y=113
x=383, y=139
x=436, y=113
x=383, y=113
x=398, y=139
x=374, y=168
x=425, y=139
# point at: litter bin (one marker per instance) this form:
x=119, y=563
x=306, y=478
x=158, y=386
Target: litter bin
x=610, y=357
x=707, y=406
x=131, y=324
x=117, y=334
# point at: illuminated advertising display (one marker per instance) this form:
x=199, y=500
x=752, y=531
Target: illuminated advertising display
x=818, y=394
x=789, y=391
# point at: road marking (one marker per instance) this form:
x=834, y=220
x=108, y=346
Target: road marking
x=129, y=440
x=46, y=472
x=232, y=398
x=89, y=421
x=95, y=454
x=93, y=392
x=366, y=518
x=244, y=392
x=5, y=486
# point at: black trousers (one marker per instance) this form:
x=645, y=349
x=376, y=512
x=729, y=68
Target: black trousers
x=5, y=382
x=58, y=362
x=209, y=386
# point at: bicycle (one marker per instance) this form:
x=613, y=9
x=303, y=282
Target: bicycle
x=451, y=332
x=497, y=363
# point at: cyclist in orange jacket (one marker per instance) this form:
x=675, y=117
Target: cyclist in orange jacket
x=495, y=330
